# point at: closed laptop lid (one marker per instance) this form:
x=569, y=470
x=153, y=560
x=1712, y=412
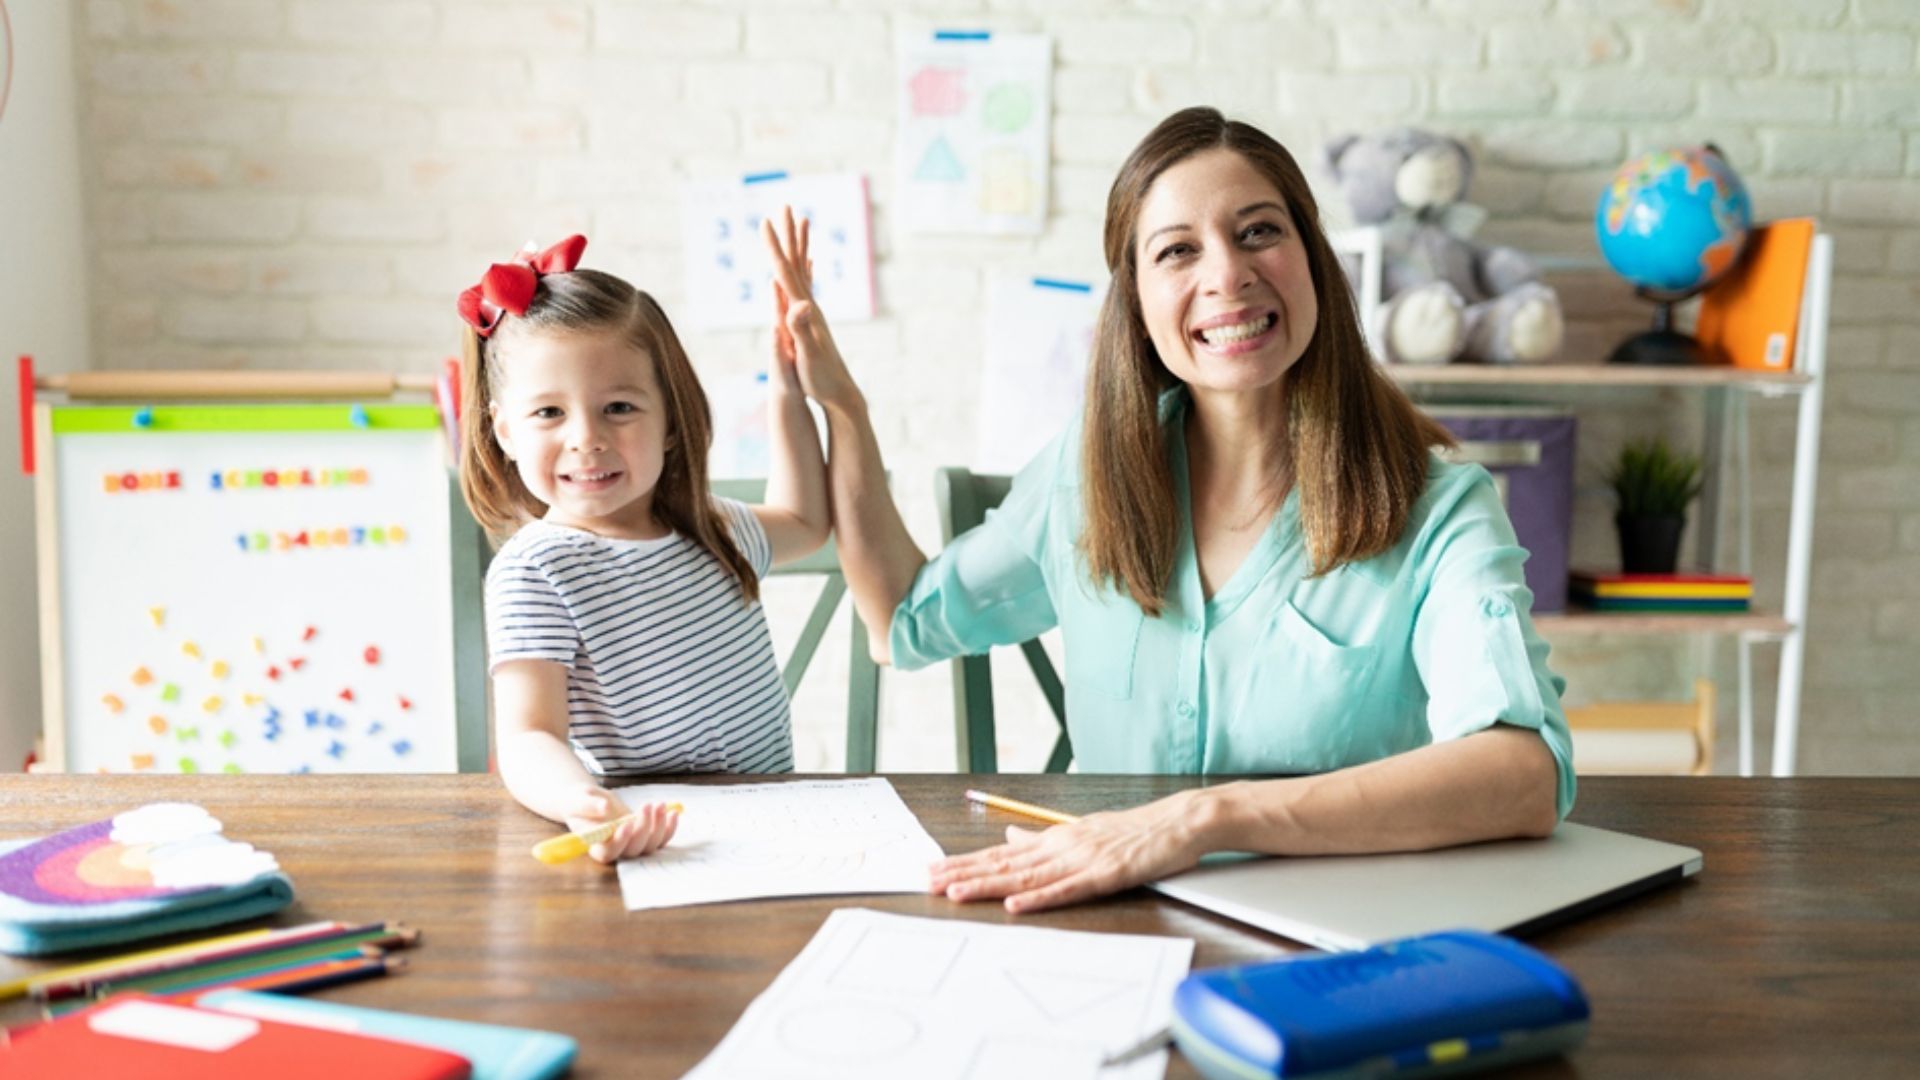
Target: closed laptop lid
x=1513, y=886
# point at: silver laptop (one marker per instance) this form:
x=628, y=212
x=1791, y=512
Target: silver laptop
x=1508, y=886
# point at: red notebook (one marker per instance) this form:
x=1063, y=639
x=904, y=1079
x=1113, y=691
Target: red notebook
x=136, y=1035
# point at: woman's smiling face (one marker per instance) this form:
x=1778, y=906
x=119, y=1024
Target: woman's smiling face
x=1225, y=289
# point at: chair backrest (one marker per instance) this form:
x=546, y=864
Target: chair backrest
x=863, y=675
x=863, y=678
x=471, y=554
x=964, y=500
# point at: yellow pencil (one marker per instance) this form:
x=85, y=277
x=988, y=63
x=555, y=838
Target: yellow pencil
x=1015, y=806
x=558, y=849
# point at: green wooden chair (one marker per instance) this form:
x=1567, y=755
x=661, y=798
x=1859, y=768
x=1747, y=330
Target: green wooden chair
x=863, y=681
x=471, y=553
x=964, y=500
x=863, y=675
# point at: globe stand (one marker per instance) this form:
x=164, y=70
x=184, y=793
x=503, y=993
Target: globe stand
x=1662, y=344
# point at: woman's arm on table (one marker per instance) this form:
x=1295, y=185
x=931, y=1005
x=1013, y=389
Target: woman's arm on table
x=1491, y=785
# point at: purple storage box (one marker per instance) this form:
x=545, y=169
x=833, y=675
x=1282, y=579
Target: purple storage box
x=1529, y=450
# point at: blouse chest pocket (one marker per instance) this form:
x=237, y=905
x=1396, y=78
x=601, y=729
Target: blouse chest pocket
x=1100, y=645
x=1303, y=699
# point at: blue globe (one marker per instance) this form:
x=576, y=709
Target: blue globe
x=1673, y=220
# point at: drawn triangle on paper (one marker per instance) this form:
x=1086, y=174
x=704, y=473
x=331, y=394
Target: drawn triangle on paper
x=938, y=164
x=1063, y=997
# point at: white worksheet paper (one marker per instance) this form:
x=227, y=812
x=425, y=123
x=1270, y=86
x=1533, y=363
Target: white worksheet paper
x=1039, y=335
x=788, y=838
x=729, y=278
x=880, y=995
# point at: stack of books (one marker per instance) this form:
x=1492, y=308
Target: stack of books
x=1682, y=592
x=246, y=1035
x=220, y=1008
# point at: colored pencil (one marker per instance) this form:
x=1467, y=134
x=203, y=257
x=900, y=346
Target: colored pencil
x=166, y=981
x=313, y=977
x=317, y=936
x=222, y=979
x=148, y=957
x=1015, y=806
x=296, y=979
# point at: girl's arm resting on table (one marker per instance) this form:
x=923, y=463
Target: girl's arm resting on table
x=542, y=773
x=877, y=554
x=1494, y=784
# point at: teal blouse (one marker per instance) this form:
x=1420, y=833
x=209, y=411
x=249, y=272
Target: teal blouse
x=1278, y=672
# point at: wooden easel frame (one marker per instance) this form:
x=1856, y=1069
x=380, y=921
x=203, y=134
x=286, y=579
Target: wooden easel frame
x=38, y=450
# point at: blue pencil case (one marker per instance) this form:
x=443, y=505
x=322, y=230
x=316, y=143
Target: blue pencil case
x=1441, y=1003
x=160, y=869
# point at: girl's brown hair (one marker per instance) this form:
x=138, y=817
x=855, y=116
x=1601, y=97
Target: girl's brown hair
x=1356, y=445
x=587, y=302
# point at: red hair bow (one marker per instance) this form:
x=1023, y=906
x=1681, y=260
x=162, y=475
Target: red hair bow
x=508, y=288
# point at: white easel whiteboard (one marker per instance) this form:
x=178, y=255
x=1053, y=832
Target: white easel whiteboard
x=247, y=588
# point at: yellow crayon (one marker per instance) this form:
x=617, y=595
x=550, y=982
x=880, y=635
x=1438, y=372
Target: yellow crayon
x=567, y=846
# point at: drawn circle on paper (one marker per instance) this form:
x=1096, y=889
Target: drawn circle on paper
x=1007, y=107
x=848, y=1031
x=6, y=57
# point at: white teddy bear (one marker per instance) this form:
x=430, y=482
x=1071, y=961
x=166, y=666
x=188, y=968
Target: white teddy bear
x=1443, y=296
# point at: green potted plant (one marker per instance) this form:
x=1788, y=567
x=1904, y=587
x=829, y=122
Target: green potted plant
x=1653, y=484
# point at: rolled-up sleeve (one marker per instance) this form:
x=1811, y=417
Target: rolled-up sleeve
x=989, y=586
x=1474, y=642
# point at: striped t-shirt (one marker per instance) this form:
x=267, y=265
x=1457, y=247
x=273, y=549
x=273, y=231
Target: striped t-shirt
x=667, y=670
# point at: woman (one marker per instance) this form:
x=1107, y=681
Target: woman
x=1256, y=561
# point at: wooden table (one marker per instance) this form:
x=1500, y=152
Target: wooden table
x=1795, y=953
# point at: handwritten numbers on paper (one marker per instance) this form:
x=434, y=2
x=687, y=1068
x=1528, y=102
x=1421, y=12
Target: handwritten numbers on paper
x=727, y=269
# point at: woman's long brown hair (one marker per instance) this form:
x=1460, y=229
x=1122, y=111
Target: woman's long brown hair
x=585, y=302
x=1356, y=444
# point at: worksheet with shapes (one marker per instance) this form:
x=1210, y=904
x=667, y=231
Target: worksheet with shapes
x=973, y=143
x=788, y=838
x=881, y=995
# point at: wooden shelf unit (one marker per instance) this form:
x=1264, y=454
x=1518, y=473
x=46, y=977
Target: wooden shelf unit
x=1594, y=375
x=1581, y=621
x=1725, y=391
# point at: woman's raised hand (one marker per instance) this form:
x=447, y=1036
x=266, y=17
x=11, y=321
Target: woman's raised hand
x=801, y=337
x=1097, y=855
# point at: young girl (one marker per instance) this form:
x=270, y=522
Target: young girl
x=623, y=615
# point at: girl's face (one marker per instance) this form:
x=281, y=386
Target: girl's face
x=583, y=419
x=1224, y=285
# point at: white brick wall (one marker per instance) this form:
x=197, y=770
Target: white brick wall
x=307, y=183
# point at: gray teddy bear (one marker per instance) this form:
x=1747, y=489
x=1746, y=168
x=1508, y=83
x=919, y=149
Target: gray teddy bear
x=1443, y=296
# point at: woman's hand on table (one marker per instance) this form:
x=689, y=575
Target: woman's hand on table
x=1094, y=856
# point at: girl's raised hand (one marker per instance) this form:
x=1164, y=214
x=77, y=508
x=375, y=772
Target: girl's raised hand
x=802, y=327
x=648, y=831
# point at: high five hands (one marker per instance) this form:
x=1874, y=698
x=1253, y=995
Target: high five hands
x=802, y=344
